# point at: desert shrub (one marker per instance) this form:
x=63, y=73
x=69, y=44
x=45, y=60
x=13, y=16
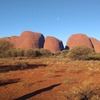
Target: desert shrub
x=5, y=45
x=79, y=52
x=62, y=53
x=20, y=52
x=37, y=53
x=58, y=53
x=84, y=92
x=94, y=56
x=11, y=53
x=30, y=53
x=43, y=52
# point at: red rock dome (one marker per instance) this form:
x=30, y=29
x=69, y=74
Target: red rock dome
x=30, y=39
x=78, y=39
x=12, y=39
x=53, y=44
x=6, y=39
x=96, y=44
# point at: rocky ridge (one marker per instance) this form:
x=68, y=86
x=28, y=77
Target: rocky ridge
x=33, y=40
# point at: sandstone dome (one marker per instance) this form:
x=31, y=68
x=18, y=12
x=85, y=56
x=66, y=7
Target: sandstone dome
x=96, y=44
x=79, y=39
x=30, y=39
x=53, y=44
x=12, y=39
x=6, y=39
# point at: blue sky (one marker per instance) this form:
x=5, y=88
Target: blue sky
x=58, y=18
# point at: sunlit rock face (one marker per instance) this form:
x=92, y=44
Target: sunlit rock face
x=77, y=40
x=6, y=39
x=53, y=44
x=13, y=40
x=30, y=39
x=96, y=44
x=26, y=40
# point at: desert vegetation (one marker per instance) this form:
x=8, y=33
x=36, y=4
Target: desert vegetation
x=81, y=52
x=40, y=74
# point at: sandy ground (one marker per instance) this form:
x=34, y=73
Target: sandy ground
x=47, y=79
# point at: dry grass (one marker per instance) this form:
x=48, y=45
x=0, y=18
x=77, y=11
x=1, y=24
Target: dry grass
x=86, y=91
x=69, y=80
x=79, y=79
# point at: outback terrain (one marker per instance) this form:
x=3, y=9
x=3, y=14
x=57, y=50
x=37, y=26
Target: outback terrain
x=33, y=67
x=50, y=78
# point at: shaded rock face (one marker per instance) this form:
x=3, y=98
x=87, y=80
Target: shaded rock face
x=96, y=44
x=53, y=44
x=30, y=39
x=78, y=39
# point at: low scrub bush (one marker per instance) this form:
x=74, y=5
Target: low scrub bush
x=30, y=53
x=79, y=53
x=20, y=52
x=58, y=53
x=5, y=45
x=62, y=53
x=43, y=52
x=84, y=92
x=94, y=56
x=26, y=53
x=37, y=53
x=12, y=53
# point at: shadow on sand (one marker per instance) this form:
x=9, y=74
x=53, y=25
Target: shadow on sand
x=27, y=96
x=7, y=68
x=6, y=82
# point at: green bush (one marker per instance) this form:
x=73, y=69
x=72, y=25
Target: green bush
x=84, y=92
x=20, y=52
x=30, y=53
x=5, y=45
x=11, y=53
x=79, y=53
x=58, y=53
x=94, y=56
x=43, y=52
x=62, y=53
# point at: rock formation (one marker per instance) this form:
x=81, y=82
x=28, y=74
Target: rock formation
x=30, y=39
x=12, y=39
x=53, y=44
x=26, y=40
x=78, y=39
x=96, y=44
